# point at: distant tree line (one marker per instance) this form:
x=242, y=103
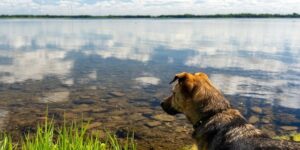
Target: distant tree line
x=242, y=15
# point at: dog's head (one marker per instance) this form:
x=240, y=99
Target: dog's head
x=193, y=93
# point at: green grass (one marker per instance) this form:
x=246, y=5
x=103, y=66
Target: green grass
x=5, y=142
x=72, y=137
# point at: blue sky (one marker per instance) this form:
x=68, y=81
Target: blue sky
x=146, y=7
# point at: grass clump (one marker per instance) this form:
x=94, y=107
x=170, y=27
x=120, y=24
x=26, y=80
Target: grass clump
x=5, y=142
x=73, y=137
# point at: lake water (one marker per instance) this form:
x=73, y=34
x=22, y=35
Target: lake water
x=114, y=72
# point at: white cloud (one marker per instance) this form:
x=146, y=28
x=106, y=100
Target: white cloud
x=152, y=7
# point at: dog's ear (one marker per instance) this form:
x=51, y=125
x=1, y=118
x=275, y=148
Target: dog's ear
x=185, y=80
x=180, y=77
x=202, y=75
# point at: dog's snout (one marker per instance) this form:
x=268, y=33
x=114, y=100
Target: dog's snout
x=168, y=108
x=161, y=104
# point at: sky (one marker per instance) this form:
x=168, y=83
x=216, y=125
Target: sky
x=146, y=7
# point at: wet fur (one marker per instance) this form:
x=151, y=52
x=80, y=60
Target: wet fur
x=217, y=126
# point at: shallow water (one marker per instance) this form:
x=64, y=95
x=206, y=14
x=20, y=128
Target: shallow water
x=116, y=71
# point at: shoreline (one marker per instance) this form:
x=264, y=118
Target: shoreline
x=183, y=16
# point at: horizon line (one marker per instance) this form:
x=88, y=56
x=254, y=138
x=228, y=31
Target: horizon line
x=227, y=15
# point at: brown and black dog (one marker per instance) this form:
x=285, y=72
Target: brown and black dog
x=217, y=126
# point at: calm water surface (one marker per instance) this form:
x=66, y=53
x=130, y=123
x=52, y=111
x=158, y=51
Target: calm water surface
x=116, y=71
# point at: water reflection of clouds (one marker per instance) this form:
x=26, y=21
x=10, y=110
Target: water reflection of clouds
x=137, y=40
x=126, y=53
x=270, y=89
x=145, y=81
x=42, y=48
x=35, y=65
x=247, y=63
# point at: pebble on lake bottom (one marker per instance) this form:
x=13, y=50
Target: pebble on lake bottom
x=153, y=124
x=163, y=117
x=289, y=128
x=253, y=119
x=117, y=94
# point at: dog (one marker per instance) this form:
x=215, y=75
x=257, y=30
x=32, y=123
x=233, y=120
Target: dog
x=217, y=126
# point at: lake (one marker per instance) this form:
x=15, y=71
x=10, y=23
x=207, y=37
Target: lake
x=114, y=72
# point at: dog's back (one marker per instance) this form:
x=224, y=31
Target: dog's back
x=228, y=130
x=260, y=143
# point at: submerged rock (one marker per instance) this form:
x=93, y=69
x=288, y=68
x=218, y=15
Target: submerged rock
x=256, y=109
x=163, y=117
x=117, y=94
x=85, y=96
x=141, y=104
x=253, y=119
x=289, y=128
x=180, y=129
x=136, y=117
x=82, y=108
x=70, y=115
x=54, y=97
x=153, y=124
x=99, y=110
x=264, y=120
x=84, y=101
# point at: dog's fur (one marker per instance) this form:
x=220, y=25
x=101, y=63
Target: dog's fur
x=217, y=126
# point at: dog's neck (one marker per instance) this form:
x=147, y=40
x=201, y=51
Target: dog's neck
x=202, y=113
x=199, y=134
x=207, y=103
x=209, y=107
x=206, y=118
